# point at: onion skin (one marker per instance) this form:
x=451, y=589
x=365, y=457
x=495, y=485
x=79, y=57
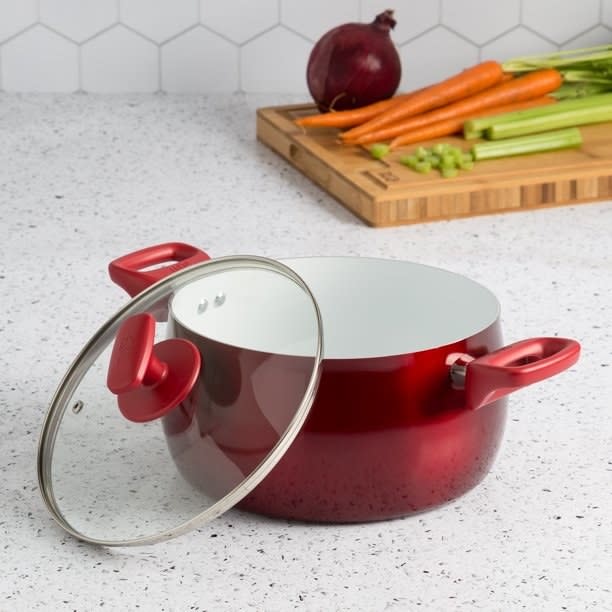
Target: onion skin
x=354, y=64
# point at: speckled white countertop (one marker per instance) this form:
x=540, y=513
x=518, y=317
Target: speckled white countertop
x=84, y=179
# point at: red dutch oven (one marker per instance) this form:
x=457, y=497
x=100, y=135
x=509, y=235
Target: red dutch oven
x=331, y=389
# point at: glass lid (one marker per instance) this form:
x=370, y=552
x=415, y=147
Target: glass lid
x=182, y=402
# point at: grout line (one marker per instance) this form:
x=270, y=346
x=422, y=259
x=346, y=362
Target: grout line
x=80, y=67
x=459, y=35
x=218, y=34
x=500, y=35
x=542, y=36
x=239, y=63
x=159, y=70
x=259, y=35
x=239, y=69
x=99, y=33
x=178, y=34
x=58, y=33
x=431, y=28
x=20, y=32
x=302, y=36
x=140, y=34
x=569, y=40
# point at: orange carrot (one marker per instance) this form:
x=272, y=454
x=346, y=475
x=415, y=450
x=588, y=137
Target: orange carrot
x=354, y=116
x=455, y=124
x=462, y=85
x=527, y=87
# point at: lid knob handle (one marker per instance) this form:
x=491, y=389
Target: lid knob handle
x=150, y=379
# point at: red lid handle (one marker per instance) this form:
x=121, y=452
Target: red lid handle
x=515, y=366
x=133, y=362
x=150, y=379
x=129, y=271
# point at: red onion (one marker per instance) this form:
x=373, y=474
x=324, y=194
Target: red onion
x=354, y=64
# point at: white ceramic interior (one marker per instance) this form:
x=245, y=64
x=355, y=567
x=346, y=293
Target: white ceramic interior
x=370, y=307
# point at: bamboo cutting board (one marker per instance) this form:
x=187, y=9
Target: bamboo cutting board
x=385, y=192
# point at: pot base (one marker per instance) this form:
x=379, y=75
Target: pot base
x=379, y=476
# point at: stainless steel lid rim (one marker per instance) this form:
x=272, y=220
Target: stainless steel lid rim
x=99, y=342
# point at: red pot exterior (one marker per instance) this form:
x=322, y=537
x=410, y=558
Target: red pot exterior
x=385, y=437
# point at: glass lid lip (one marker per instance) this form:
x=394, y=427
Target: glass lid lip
x=103, y=337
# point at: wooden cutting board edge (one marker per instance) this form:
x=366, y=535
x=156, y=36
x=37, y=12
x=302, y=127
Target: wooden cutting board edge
x=375, y=197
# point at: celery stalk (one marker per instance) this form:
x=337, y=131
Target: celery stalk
x=569, y=118
x=379, y=150
x=476, y=128
x=534, y=143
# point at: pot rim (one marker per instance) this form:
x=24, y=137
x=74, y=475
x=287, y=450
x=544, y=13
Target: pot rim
x=365, y=304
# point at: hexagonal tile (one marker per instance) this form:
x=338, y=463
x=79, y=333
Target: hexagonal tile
x=478, y=20
x=260, y=69
x=199, y=61
x=40, y=60
x=316, y=17
x=559, y=20
x=410, y=23
x=16, y=15
x=516, y=43
x=239, y=20
x=606, y=12
x=119, y=60
x=78, y=19
x=597, y=36
x=445, y=53
x=161, y=19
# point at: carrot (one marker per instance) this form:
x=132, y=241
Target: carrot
x=466, y=83
x=354, y=116
x=532, y=85
x=455, y=124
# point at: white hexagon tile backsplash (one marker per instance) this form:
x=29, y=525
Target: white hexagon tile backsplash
x=79, y=20
x=200, y=46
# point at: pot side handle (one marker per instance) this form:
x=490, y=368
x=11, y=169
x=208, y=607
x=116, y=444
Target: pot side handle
x=129, y=270
x=515, y=366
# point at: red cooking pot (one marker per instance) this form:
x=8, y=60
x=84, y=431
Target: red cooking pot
x=404, y=412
